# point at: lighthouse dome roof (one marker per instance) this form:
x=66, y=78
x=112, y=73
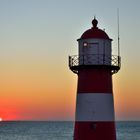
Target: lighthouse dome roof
x=94, y=32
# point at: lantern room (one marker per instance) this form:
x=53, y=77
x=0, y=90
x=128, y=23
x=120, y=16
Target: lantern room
x=94, y=49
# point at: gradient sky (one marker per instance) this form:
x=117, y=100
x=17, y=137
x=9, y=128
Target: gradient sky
x=36, y=37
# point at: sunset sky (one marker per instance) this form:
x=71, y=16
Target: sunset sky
x=36, y=37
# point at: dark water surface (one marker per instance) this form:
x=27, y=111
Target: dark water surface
x=20, y=130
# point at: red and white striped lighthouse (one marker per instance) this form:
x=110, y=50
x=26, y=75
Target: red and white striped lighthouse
x=94, y=66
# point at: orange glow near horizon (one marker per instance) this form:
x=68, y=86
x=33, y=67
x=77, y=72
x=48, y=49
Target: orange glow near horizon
x=126, y=95
x=31, y=92
x=1, y=119
x=37, y=99
x=43, y=94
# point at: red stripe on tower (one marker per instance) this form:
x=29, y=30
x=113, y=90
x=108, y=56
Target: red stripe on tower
x=94, y=65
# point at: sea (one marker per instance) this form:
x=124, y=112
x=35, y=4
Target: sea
x=43, y=130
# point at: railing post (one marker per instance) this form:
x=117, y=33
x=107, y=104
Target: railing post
x=69, y=61
x=119, y=64
x=103, y=58
x=83, y=59
x=72, y=61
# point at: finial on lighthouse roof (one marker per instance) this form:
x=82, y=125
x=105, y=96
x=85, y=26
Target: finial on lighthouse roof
x=94, y=32
x=94, y=22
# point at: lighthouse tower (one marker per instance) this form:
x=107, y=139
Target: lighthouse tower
x=94, y=66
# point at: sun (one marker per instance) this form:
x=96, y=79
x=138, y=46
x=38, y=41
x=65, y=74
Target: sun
x=0, y=119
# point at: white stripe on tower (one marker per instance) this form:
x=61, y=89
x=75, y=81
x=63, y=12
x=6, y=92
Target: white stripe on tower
x=94, y=107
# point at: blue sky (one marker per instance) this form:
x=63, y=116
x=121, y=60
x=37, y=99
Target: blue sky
x=46, y=20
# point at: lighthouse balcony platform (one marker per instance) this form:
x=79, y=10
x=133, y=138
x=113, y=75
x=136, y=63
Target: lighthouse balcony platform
x=77, y=62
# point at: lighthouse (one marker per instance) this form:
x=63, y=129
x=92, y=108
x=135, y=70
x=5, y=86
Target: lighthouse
x=94, y=65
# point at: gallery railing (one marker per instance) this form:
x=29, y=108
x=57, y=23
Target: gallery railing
x=114, y=61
